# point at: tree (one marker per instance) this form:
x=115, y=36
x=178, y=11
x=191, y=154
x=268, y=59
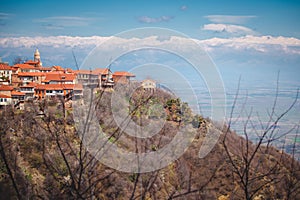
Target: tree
x=251, y=158
x=19, y=60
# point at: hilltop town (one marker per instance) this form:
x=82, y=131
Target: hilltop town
x=30, y=80
x=43, y=156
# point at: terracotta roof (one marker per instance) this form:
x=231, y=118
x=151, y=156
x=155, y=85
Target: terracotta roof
x=84, y=71
x=31, y=62
x=16, y=93
x=31, y=74
x=97, y=71
x=58, y=68
x=4, y=96
x=58, y=87
x=123, y=74
x=5, y=67
x=56, y=72
x=24, y=66
x=103, y=71
x=59, y=77
x=6, y=88
x=45, y=68
x=69, y=70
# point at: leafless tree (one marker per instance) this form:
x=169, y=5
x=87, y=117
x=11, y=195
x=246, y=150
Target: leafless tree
x=252, y=158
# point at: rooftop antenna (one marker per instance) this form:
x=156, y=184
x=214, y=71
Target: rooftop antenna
x=109, y=63
x=75, y=60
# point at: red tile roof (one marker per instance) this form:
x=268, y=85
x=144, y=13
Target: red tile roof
x=31, y=74
x=69, y=70
x=16, y=93
x=31, y=62
x=14, y=68
x=45, y=68
x=59, y=87
x=97, y=71
x=6, y=88
x=25, y=66
x=4, y=96
x=84, y=71
x=103, y=71
x=58, y=68
x=59, y=77
x=127, y=74
x=5, y=67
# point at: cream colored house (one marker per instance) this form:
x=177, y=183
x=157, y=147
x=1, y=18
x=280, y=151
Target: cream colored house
x=149, y=84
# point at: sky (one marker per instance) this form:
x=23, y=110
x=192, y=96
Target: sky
x=105, y=18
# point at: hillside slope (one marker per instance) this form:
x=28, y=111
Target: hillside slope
x=42, y=157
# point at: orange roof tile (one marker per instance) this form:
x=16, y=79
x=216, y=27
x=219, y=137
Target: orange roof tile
x=16, y=93
x=58, y=68
x=97, y=71
x=31, y=62
x=127, y=74
x=4, y=96
x=31, y=74
x=58, y=87
x=83, y=71
x=69, y=70
x=24, y=66
x=103, y=71
x=5, y=67
x=59, y=77
x=45, y=68
x=6, y=88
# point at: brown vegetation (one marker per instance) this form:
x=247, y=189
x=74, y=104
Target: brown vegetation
x=42, y=157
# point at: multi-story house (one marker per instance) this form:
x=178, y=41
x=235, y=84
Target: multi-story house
x=122, y=77
x=59, y=78
x=28, y=90
x=66, y=91
x=5, y=95
x=5, y=73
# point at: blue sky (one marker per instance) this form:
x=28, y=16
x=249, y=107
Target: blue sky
x=87, y=18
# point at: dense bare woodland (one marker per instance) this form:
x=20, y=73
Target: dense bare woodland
x=42, y=156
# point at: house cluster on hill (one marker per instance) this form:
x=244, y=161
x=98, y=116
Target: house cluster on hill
x=31, y=81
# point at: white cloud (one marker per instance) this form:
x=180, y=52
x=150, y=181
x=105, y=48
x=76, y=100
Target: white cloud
x=259, y=43
x=244, y=42
x=229, y=19
x=228, y=28
x=82, y=42
x=57, y=49
x=51, y=41
x=149, y=20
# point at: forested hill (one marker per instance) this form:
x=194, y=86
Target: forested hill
x=42, y=156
